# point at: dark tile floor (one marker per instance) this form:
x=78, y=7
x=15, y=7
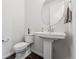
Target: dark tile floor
x=34, y=56
x=31, y=56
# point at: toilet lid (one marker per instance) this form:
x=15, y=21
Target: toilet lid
x=21, y=45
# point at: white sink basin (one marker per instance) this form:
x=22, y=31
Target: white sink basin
x=48, y=39
x=51, y=35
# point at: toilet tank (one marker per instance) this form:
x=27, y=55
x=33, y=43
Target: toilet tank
x=29, y=38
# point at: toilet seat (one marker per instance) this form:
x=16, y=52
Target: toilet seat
x=21, y=46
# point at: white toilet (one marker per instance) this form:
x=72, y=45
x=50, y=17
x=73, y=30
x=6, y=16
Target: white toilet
x=22, y=49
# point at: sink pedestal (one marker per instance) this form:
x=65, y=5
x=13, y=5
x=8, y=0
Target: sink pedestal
x=48, y=45
x=48, y=49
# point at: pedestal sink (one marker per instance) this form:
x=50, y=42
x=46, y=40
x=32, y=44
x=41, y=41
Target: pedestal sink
x=49, y=38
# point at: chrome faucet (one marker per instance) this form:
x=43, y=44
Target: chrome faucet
x=50, y=28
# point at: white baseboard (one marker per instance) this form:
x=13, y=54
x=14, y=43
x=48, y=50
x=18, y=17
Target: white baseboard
x=40, y=54
x=7, y=55
x=24, y=56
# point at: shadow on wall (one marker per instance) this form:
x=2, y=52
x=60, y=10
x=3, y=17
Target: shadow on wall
x=62, y=48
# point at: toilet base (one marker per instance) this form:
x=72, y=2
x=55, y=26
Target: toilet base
x=22, y=56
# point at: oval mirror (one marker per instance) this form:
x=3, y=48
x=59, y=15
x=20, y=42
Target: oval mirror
x=53, y=12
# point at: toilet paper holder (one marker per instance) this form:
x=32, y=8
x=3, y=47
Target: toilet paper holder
x=5, y=40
